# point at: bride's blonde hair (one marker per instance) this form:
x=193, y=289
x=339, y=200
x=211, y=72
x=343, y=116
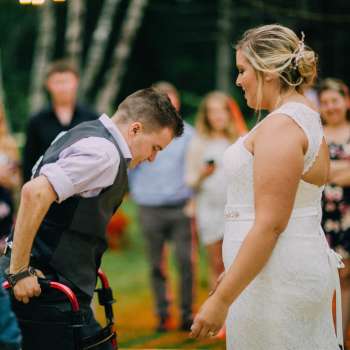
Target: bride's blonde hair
x=277, y=49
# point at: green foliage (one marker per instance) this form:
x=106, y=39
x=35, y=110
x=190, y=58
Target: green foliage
x=177, y=42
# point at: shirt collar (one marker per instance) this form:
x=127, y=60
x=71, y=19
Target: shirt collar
x=113, y=129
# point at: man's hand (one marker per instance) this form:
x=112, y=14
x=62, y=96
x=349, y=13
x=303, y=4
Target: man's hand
x=28, y=287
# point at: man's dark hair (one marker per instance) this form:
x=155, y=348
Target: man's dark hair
x=62, y=66
x=153, y=108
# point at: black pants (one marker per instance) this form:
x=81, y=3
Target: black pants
x=45, y=323
x=159, y=225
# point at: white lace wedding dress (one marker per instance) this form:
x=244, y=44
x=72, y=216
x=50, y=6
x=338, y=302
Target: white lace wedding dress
x=288, y=305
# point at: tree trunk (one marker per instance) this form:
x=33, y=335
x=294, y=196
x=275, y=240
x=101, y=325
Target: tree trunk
x=74, y=42
x=42, y=53
x=99, y=43
x=224, y=47
x=114, y=75
x=2, y=91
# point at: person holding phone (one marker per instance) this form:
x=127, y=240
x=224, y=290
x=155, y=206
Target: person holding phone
x=216, y=130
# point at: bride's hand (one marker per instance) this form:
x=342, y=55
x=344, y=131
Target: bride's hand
x=210, y=319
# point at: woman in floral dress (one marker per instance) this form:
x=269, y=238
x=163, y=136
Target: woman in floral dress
x=334, y=106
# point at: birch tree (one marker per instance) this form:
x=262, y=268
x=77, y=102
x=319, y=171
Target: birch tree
x=97, y=49
x=2, y=91
x=114, y=75
x=73, y=39
x=224, y=50
x=42, y=54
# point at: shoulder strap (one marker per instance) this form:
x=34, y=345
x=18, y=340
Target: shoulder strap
x=309, y=121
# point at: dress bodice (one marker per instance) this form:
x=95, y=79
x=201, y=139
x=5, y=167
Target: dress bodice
x=238, y=161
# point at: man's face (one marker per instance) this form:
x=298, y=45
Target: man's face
x=145, y=145
x=62, y=86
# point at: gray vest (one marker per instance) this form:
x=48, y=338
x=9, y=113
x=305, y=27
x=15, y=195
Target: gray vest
x=71, y=238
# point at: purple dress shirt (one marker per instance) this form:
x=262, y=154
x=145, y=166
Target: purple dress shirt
x=88, y=166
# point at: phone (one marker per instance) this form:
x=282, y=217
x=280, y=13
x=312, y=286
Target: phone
x=210, y=162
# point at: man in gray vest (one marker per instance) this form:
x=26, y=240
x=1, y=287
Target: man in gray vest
x=76, y=187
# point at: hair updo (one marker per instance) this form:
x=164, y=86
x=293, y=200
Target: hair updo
x=276, y=49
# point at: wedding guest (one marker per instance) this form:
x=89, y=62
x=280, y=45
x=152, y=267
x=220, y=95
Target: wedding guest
x=9, y=175
x=334, y=107
x=215, y=131
x=161, y=193
x=63, y=113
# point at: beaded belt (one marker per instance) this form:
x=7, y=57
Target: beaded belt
x=241, y=213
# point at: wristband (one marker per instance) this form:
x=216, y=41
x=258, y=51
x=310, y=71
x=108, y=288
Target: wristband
x=13, y=278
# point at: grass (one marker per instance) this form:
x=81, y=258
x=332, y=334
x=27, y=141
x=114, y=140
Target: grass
x=128, y=273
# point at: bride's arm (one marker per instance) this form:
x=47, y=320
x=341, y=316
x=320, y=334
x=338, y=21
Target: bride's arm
x=279, y=147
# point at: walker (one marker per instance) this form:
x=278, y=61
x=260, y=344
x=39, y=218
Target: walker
x=41, y=332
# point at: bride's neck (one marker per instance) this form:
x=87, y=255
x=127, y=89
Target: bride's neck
x=280, y=99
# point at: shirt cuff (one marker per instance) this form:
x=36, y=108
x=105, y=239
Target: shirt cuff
x=60, y=182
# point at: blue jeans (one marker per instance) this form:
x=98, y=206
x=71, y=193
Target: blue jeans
x=10, y=337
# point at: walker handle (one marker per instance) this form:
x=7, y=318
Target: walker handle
x=103, y=278
x=45, y=284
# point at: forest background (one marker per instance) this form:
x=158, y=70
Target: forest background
x=124, y=45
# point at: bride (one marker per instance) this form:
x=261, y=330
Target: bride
x=280, y=273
